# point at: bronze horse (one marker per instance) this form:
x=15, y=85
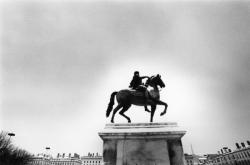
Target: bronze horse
x=126, y=98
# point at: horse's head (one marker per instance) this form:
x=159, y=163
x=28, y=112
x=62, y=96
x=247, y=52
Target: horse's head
x=155, y=81
x=159, y=81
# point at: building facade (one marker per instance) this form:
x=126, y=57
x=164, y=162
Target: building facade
x=241, y=156
x=92, y=159
x=59, y=160
x=40, y=159
x=191, y=159
x=66, y=161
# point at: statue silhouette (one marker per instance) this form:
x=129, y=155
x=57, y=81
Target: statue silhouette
x=125, y=98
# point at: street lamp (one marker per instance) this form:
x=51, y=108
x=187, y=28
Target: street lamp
x=47, y=151
x=10, y=134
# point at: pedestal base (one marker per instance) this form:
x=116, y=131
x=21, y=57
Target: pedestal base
x=142, y=144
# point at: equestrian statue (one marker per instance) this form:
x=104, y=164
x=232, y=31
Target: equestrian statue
x=138, y=95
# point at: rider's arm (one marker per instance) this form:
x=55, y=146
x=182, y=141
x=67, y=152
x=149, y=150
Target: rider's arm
x=142, y=77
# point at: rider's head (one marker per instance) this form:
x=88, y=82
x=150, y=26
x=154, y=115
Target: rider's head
x=136, y=73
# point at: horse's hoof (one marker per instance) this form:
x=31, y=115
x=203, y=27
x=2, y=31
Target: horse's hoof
x=112, y=121
x=129, y=121
x=163, y=113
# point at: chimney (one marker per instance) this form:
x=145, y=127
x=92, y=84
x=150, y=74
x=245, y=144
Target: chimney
x=248, y=143
x=63, y=155
x=221, y=150
x=58, y=155
x=237, y=145
x=243, y=144
x=69, y=155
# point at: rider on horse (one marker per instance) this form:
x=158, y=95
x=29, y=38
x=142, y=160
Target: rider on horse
x=125, y=98
x=137, y=84
x=137, y=81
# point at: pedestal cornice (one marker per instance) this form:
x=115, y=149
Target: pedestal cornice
x=168, y=130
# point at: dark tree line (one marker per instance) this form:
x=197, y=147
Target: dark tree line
x=11, y=155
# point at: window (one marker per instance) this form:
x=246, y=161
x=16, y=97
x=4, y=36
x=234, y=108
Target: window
x=245, y=154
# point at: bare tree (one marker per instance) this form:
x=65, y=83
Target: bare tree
x=11, y=155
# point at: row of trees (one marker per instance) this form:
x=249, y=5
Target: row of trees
x=11, y=155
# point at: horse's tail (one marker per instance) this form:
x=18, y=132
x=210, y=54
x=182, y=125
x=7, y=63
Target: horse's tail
x=111, y=103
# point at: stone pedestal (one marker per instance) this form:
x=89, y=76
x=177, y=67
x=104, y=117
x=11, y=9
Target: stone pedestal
x=142, y=144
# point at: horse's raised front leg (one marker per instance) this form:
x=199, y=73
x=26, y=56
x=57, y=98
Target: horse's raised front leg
x=153, y=108
x=159, y=102
x=125, y=108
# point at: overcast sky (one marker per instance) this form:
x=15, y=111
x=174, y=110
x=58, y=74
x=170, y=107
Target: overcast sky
x=60, y=61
